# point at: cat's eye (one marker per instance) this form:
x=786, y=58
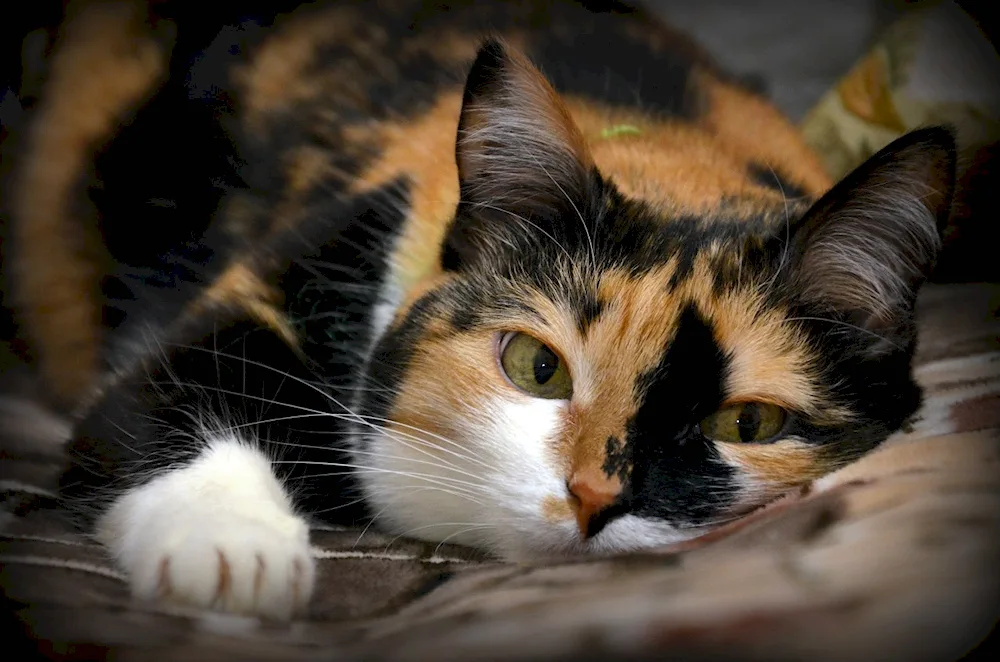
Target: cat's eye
x=534, y=367
x=745, y=422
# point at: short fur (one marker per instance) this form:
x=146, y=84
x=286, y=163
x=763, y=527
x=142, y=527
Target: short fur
x=321, y=223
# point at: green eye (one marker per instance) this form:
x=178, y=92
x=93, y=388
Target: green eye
x=745, y=422
x=534, y=368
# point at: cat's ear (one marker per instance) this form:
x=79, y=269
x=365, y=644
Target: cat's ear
x=517, y=144
x=865, y=247
x=518, y=151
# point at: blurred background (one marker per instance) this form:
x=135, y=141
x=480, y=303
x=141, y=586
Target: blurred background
x=797, y=48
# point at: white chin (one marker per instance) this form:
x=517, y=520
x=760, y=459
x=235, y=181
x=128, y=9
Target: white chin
x=528, y=538
x=628, y=533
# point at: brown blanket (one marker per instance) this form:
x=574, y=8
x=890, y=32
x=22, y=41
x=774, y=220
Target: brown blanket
x=894, y=557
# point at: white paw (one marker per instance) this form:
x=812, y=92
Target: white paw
x=223, y=561
x=219, y=534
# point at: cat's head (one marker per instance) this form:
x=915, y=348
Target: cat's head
x=591, y=372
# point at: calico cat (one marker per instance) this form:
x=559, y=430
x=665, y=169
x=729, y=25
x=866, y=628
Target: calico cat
x=536, y=277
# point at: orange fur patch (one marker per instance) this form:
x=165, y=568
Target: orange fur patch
x=238, y=287
x=748, y=126
x=455, y=374
x=776, y=467
x=556, y=509
x=769, y=360
x=305, y=167
x=678, y=167
x=105, y=65
x=422, y=151
x=279, y=77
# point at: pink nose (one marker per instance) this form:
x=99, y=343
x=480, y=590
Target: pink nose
x=590, y=493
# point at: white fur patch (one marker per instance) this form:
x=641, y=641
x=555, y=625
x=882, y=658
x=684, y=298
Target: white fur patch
x=491, y=491
x=390, y=296
x=218, y=533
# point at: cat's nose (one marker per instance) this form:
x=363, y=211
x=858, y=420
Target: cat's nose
x=592, y=494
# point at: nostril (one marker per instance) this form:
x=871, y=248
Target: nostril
x=574, y=500
x=591, y=495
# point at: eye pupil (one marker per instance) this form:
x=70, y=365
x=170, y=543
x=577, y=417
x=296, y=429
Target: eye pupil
x=534, y=368
x=745, y=422
x=748, y=423
x=545, y=364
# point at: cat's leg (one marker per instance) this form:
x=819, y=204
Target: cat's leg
x=192, y=470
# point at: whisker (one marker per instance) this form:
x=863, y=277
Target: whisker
x=457, y=533
x=445, y=467
x=368, y=526
x=527, y=222
x=410, y=489
x=471, y=527
x=454, y=482
x=395, y=435
x=432, y=436
x=385, y=489
x=847, y=324
x=339, y=506
x=583, y=221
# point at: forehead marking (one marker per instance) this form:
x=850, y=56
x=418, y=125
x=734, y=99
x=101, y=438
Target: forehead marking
x=766, y=357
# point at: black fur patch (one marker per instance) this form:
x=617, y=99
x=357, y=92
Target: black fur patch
x=678, y=474
x=387, y=366
x=588, y=310
x=331, y=290
x=770, y=178
x=245, y=376
x=600, y=60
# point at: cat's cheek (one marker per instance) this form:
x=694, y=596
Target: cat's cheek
x=521, y=435
x=481, y=477
x=415, y=484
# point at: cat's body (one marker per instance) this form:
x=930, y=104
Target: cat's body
x=607, y=316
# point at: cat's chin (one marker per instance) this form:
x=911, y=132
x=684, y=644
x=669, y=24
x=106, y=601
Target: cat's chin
x=628, y=533
x=552, y=541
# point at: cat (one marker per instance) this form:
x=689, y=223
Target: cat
x=538, y=278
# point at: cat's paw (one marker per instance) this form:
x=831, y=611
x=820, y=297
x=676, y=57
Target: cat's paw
x=217, y=534
x=225, y=561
